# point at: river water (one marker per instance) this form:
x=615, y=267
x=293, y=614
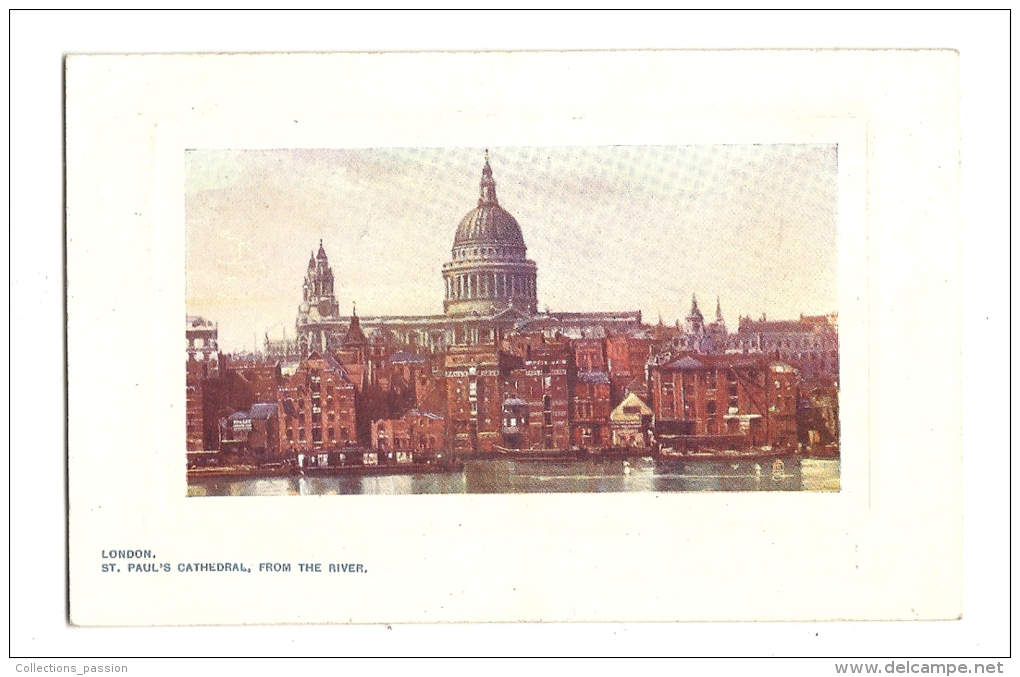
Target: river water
x=530, y=477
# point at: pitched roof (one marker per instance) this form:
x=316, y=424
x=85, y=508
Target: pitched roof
x=631, y=400
x=638, y=386
x=407, y=357
x=355, y=336
x=593, y=377
x=689, y=362
x=331, y=362
x=425, y=414
x=686, y=362
x=263, y=410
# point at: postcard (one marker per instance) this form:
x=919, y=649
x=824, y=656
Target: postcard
x=547, y=345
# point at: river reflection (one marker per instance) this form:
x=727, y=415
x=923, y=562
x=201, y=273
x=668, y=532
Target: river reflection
x=531, y=477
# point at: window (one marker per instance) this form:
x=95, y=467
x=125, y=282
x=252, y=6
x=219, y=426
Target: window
x=710, y=407
x=710, y=379
x=290, y=434
x=632, y=410
x=301, y=434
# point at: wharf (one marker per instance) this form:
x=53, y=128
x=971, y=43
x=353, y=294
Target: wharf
x=242, y=471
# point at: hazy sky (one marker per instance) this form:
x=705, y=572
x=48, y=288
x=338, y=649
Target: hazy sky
x=611, y=228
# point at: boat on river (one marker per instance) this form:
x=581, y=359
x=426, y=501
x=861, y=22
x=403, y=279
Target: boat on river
x=291, y=470
x=535, y=454
x=732, y=455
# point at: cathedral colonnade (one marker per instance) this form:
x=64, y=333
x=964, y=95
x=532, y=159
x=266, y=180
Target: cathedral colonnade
x=498, y=285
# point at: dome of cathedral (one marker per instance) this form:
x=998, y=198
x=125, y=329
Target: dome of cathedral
x=488, y=224
x=489, y=271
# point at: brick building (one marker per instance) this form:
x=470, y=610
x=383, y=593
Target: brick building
x=590, y=353
x=542, y=381
x=204, y=398
x=249, y=380
x=728, y=401
x=416, y=436
x=473, y=395
x=252, y=435
x=590, y=409
x=626, y=355
x=317, y=408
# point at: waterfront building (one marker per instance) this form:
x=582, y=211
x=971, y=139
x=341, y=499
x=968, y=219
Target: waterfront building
x=416, y=436
x=818, y=415
x=474, y=394
x=252, y=435
x=631, y=423
x=590, y=409
x=317, y=410
x=204, y=395
x=537, y=394
x=724, y=400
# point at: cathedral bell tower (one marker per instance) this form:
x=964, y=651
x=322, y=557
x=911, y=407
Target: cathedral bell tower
x=317, y=315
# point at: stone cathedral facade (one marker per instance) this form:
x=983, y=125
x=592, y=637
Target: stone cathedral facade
x=491, y=290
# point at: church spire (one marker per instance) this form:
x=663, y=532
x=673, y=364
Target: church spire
x=718, y=310
x=355, y=336
x=695, y=320
x=488, y=184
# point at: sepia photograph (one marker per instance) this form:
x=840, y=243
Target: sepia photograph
x=512, y=320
